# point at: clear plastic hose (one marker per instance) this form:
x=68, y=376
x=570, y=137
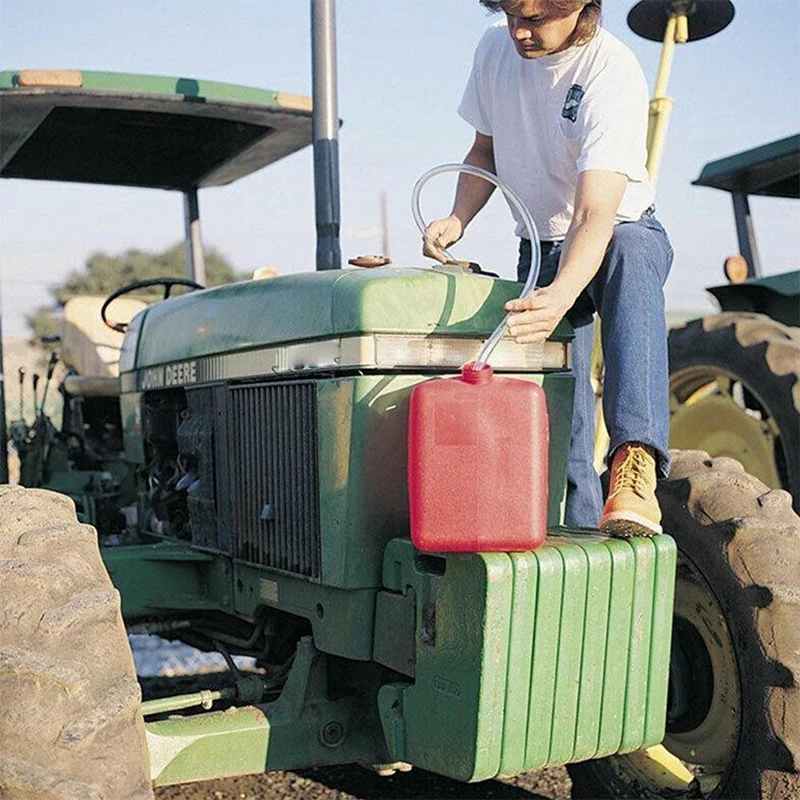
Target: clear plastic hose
x=527, y=220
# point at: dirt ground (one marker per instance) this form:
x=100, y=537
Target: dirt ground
x=356, y=783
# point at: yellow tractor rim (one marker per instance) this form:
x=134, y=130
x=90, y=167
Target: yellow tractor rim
x=713, y=411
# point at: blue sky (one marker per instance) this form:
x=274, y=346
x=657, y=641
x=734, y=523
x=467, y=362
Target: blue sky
x=402, y=67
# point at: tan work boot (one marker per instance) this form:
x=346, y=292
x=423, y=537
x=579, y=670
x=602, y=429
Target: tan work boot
x=632, y=508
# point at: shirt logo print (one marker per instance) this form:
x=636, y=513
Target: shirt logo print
x=572, y=101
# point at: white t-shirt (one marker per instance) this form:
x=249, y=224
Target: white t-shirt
x=555, y=116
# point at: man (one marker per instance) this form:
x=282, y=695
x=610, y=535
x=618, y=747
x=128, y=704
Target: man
x=559, y=108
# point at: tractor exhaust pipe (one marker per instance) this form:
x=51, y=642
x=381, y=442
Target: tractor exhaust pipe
x=325, y=126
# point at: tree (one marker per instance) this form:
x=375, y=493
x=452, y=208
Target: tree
x=104, y=273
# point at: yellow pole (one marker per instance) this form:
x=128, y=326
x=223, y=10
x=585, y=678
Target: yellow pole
x=676, y=32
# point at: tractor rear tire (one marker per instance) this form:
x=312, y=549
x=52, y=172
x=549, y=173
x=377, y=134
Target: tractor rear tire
x=70, y=725
x=734, y=704
x=735, y=391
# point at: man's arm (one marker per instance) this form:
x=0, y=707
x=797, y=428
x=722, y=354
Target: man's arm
x=597, y=197
x=472, y=194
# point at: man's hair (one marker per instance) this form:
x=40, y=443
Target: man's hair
x=588, y=21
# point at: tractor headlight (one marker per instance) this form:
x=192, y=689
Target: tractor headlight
x=429, y=352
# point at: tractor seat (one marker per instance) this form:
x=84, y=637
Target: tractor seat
x=90, y=349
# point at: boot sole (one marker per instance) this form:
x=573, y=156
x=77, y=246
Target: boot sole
x=628, y=524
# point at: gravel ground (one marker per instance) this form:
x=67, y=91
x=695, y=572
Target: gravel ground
x=353, y=782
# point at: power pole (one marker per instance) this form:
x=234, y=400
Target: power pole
x=384, y=227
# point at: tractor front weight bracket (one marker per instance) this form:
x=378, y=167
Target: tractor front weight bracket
x=304, y=727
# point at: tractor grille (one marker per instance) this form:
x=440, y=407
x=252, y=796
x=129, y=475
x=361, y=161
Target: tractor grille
x=273, y=476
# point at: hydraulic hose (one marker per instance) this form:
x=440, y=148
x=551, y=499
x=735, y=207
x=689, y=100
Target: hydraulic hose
x=527, y=221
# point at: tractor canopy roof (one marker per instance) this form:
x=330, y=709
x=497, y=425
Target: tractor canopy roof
x=772, y=170
x=141, y=130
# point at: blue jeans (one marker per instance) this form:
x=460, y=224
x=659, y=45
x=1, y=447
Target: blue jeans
x=628, y=294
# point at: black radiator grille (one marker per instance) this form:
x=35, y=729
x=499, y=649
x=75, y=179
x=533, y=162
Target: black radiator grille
x=274, y=477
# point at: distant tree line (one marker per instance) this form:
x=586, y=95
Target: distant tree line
x=104, y=273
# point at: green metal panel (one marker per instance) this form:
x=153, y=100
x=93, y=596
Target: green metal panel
x=520, y=662
x=771, y=169
x=777, y=296
x=660, y=640
x=544, y=657
x=362, y=458
x=309, y=725
x=130, y=407
x=363, y=455
x=321, y=305
x=208, y=746
x=614, y=666
x=598, y=588
x=527, y=660
x=161, y=578
x=574, y=601
x=341, y=620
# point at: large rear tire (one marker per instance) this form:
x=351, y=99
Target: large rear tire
x=734, y=706
x=70, y=725
x=735, y=392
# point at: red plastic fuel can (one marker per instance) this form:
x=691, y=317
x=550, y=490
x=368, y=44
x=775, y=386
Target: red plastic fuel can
x=477, y=463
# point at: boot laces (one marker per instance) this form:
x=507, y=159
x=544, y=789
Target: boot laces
x=632, y=471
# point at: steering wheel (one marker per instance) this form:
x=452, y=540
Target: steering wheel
x=167, y=283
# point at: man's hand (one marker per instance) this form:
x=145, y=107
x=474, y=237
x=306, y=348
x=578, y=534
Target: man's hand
x=534, y=318
x=440, y=234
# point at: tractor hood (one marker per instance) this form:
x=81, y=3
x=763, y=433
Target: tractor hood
x=337, y=319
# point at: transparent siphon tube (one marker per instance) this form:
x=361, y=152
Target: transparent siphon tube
x=527, y=220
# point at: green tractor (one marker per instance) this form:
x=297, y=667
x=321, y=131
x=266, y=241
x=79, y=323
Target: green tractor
x=735, y=376
x=240, y=486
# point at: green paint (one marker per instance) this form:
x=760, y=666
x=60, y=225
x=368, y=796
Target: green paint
x=362, y=458
x=574, y=602
x=777, y=296
x=661, y=636
x=639, y=644
x=160, y=85
x=520, y=657
x=335, y=303
x=309, y=725
x=538, y=658
x=130, y=406
x=157, y=579
x=205, y=746
x=546, y=607
x=614, y=664
x=341, y=620
x=590, y=701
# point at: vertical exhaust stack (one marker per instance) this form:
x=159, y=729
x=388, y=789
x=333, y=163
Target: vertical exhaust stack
x=326, y=133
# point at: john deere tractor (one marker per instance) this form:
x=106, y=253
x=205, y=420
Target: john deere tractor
x=735, y=376
x=240, y=486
